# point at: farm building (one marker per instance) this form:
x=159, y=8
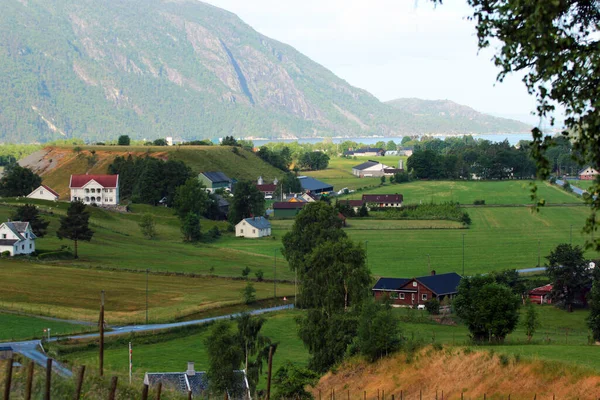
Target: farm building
x=541, y=295
x=17, y=238
x=255, y=227
x=383, y=200
x=102, y=190
x=214, y=181
x=314, y=186
x=417, y=291
x=43, y=193
x=287, y=209
x=196, y=382
x=369, y=168
x=365, y=152
x=588, y=173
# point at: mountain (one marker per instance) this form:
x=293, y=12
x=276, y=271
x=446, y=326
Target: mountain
x=97, y=69
x=451, y=117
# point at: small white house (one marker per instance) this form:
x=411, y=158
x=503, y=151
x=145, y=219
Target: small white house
x=102, y=190
x=254, y=227
x=369, y=169
x=43, y=193
x=17, y=238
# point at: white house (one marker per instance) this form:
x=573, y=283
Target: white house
x=369, y=168
x=588, y=173
x=254, y=227
x=17, y=238
x=102, y=190
x=43, y=193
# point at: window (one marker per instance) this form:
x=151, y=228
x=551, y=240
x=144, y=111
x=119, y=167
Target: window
x=401, y=296
x=253, y=230
x=41, y=192
x=241, y=231
x=415, y=283
x=424, y=297
x=413, y=297
x=93, y=190
x=87, y=198
x=106, y=199
x=4, y=236
x=30, y=245
x=22, y=247
x=110, y=199
x=87, y=190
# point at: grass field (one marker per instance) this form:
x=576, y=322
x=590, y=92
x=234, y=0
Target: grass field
x=74, y=293
x=19, y=327
x=466, y=192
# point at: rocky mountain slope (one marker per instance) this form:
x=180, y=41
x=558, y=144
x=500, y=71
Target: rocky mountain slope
x=155, y=68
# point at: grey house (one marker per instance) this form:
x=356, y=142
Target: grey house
x=197, y=383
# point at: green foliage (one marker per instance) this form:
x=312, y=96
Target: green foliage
x=433, y=306
x=247, y=202
x=259, y=275
x=18, y=181
x=428, y=211
x=29, y=213
x=229, y=141
x=313, y=161
x=254, y=345
x=382, y=180
x=191, y=197
x=489, y=310
x=400, y=177
x=159, y=142
x=344, y=208
x=593, y=319
x=280, y=159
x=245, y=272
x=567, y=187
x=363, y=211
x=190, y=227
x=75, y=225
x=224, y=357
x=568, y=271
x=290, y=382
x=391, y=146
x=124, y=140
x=479, y=202
x=249, y=293
x=531, y=321
x=148, y=226
x=379, y=331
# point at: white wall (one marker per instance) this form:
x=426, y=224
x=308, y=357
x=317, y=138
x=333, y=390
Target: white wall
x=26, y=246
x=244, y=229
x=108, y=196
x=42, y=193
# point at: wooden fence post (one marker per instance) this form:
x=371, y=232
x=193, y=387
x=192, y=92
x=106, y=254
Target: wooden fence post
x=29, y=382
x=442, y=395
x=401, y=395
x=101, y=327
x=269, y=372
x=113, y=388
x=158, y=390
x=8, y=379
x=145, y=392
x=420, y=394
x=79, y=383
x=462, y=396
x=365, y=395
x=48, y=379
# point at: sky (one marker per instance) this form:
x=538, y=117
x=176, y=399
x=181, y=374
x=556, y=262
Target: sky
x=393, y=48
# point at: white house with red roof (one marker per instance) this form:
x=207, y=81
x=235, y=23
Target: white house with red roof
x=17, y=238
x=43, y=193
x=102, y=190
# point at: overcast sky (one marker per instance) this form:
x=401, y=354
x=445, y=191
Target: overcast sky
x=392, y=48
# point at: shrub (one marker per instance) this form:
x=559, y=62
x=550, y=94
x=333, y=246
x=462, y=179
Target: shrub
x=5, y=253
x=504, y=360
x=479, y=202
x=249, y=294
x=55, y=255
x=246, y=272
x=567, y=187
x=214, y=232
x=553, y=180
x=433, y=306
x=259, y=275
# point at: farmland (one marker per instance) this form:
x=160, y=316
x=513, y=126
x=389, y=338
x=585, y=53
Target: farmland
x=74, y=293
x=16, y=326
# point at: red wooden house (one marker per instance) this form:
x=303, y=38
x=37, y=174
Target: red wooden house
x=417, y=291
x=541, y=295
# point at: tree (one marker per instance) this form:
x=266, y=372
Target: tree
x=313, y=161
x=378, y=330
x=254, y=346
x=247, y=202
x=290, y=382
x=229, y=141
x=568, y=271
x=316, y=223
x=148, y=226
x=159, y=142
x=391, y=146
x=490, y=310
x=363, y=211
x=224, y=357
x=556, y=47
x=382, y=180
x=249, y=293
x=29, y=213
x=191, y=197
x=246, y=272
x=124, y=140
x=593, y=319
x=75, y=225
x=433, y=306
x=531, y=321
x=18, y=181
x=190, y=227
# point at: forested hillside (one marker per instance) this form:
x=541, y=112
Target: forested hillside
x=149, y=68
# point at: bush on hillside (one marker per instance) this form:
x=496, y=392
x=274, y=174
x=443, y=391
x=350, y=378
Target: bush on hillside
x=479, y=202
x=433, y=306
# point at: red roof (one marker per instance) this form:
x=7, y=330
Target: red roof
x=352, y=203
x=50, y=190
x=382, y=198
x=268, y=187
x=107, y=181
x=542, y=290
x=289, y=205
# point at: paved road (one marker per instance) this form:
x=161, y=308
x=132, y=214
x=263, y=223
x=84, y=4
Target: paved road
x=576, y=190
x=31, y=348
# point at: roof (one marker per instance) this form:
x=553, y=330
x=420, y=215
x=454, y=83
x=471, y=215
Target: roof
x=267, y=187
x=440, y=284
x=198, y=383
x=382, y=198
x=107, y=181
x=585, y=168
x=352, y=203
x=18, y=228
x=289, y=205
x=221, y=202
x=6, y=348
x=392, y=170
x=216, y=176
x=8, y=242
x=311, y=184
x=366, y=165
x=258, y=222
x=542, y=290
x=368, y=150
x=45, y=187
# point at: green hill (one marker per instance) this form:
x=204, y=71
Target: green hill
x=150, y=68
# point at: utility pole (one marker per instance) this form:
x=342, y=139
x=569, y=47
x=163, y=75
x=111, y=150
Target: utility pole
x=295, y=286
x=463, y=235
x=101, y=324
x=429, y=262
x=147, y=272
x=571, y=236
x=130, y=362
x=539, y=252
x=367, y=252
